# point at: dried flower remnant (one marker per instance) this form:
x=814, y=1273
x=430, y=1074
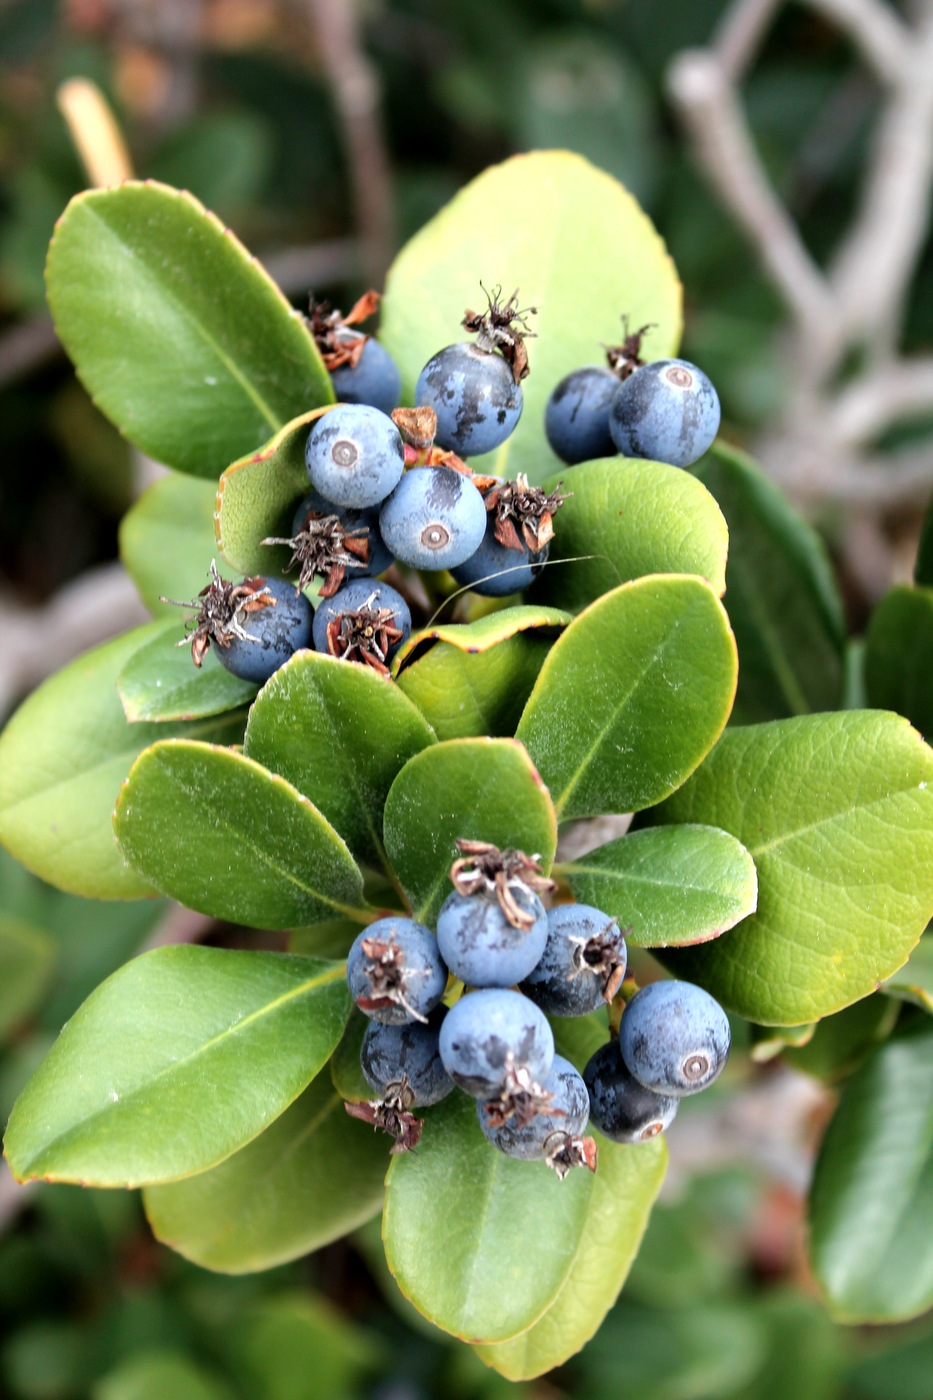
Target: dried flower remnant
x=503, y=327
x=519, y=1100
x=564, y=1151
x=625, y=359
x=603, y=953
x=337, y=342
x=325, y=548
x=484, y=868
x=524, y=515
x=392, y=1114
x=366, y=635
x=388, y=978
x=219, y=607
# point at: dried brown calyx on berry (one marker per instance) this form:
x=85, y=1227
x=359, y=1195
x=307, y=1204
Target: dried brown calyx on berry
x=392, y=1114
x=485, y=869
x=563, y=1151
x=523, y=515
x=503, y=326
x=337, y=341
x=602, y=954
x=366, y=635
x=219, y=607
x=418, y=427
x=325, y=548
x=388, y=978
x=519, y=1100
x=625, y=359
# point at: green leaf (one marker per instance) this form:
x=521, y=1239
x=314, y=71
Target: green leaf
x=27, y=956
x=176, y=1061
x=836, y=813
x=923, y=568
x=553, y=214
x=311, y=1177
x=160, y=682
x=296, y=1346
x=623, y=1190
x=839, y=1043
x=220, y=833
x=63, y=757
x=345, y=1069
x=784, y=606
x=257, y=499
x=632, y=697
x=167, y=540
x=899, y=656
x=462, y=1228
x=669, y=884
x=176, y=332
x=627, y=518
x=914, y=981
x=477, y=789
x=474, y=678
x=340, y=734
x=148, y=1374
x=871, y=1202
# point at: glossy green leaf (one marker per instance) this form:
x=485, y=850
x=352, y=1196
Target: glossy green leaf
x=176, y=332
x=257, y=499
x=222, y=834
x=331, y=938
x=627, y=518
x=340, y=734
x=477, y=789
x=837, y=814
x=146, y=1375
x=311, y=1177
x=176, y=1061
x=167, y=540
x=298, y=1346
x=669, y=884
x=160, y=682
x=914, y=981
x=838, y=1044
x=63, y=756
x=871, y=1202
x=622, y=1193
x=470, y=679
x=563, y=215
x=783, y=602
x=462, y=1228
x=345, y=1069
x=632, y=696
x=899, y=656
x=27, y=957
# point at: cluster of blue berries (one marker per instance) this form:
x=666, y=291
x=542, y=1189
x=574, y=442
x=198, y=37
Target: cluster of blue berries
x=667, y=411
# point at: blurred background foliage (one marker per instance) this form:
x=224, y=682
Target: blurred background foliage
x=244, y=103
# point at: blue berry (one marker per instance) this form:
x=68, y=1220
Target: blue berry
x=674, y=1038
x=272, y=634
x=583, y=962
x=352, y=623
x=434, y=519
x=373, y=380
x=380, y=557
x=395, y=971
x=389, y=1052
x=494, y=571
x=667, y=411
x=576, y=419
x=354, y=455
x=472, y=391
x=481, y=946
x=622, y=1109
x=488, y=1035
x=568, y=1112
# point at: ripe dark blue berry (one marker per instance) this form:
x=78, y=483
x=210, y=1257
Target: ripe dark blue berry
x=476, y=399
x=395, y=971
x=412, y=1049
x=269, y=635
x=434, y=519
x=489, y=1035
x=583, y=962
x=622, y=1109
x=354, y=455
x=364, y=621
x=495, y=571
x=667, y=411
x=674, y=1038
x=373, y=380
x=482, y=947
x=576, y=419
x=567, y=1112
